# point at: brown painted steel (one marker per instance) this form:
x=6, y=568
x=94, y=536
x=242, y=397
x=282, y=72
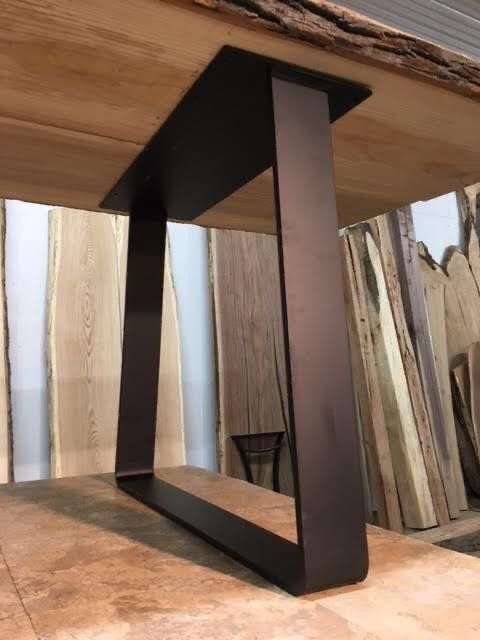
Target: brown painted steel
x=141, y=339
x=331, y=549
x=329, y=500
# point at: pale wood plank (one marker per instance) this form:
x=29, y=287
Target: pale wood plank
x=473, y=192
x=474, y=383
x=462, y=306
x=418, y=302
x=375, y=435
x=472, y=249
x=412, y=482
x=104, y=118
x=435, y=283
x=416, y=315
x=50, y=165
x=461, y=527
x=411, y=370
x=6, y=438
x=461, y=376
x=463, y=424
x=170, y=440
x=86, y=299
x=250, y=346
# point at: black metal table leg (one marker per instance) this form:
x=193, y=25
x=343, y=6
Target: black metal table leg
x=141, y=339
x=329, y=503
x=184, y=170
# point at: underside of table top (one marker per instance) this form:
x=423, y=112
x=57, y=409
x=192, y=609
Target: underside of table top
x=84, y=85
x=80, y=559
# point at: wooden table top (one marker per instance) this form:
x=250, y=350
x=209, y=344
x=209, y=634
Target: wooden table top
x=82, y=561
x=84, y=85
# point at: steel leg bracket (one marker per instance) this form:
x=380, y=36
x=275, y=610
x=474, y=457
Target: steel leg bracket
x=244, y=114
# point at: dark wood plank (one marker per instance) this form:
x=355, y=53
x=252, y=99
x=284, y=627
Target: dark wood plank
x=250, y=347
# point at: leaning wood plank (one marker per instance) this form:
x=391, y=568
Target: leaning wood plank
x=473, y=192
x=6, y=439
x=468, y=454
x=462, y=306
x=435, y=283
x=170, y=440
x=461, y=379
x=472, y=250
x=250, y=347
x=86, y=294
x=474, y=387
x=375, y=435
x=411, y=370
x=417, y=317
x=412, y=482
x=461, y=527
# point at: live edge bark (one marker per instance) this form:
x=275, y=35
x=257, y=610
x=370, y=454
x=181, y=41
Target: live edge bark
x=344, y=32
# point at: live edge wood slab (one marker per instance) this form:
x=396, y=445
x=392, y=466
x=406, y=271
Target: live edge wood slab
x=81, y=560
x=84, y=85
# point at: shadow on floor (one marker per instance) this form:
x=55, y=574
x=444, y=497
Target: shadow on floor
x=103, y=506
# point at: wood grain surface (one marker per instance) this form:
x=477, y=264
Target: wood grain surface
x=462, y=306
x=468, y=523
x=409, y=269
x=472, y=246
x=435, y=284
x=250, y=347
x=89, y=562
x=412, y=375
x=465, y=431
x=374, y=430
x=410, y=473
x=72, y=122
x=6, y=436
x=85, y=324
x=474, y=383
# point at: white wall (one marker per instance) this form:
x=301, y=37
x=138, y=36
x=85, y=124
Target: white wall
x=437, y=224
x=189, y=256
x=26, y=261
x=26, y=258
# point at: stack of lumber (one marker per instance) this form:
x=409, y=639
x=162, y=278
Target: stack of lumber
x=405, y=476
x=414, y=329
x=401, y=327
x=452, y=293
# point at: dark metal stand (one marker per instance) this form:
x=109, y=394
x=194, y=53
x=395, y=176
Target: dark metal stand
x=246, y=113
x=266, y=443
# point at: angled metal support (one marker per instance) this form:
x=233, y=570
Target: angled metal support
x=254, y=113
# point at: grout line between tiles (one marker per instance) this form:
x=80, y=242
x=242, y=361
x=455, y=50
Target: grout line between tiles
x=2, y=557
